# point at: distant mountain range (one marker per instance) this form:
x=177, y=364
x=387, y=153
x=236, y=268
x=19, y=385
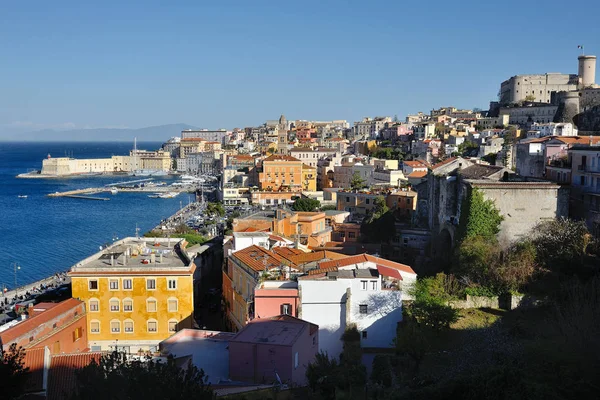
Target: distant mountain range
x=149, y=134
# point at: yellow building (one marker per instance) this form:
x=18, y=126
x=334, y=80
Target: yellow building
x=137, y=293
x=309, y=178
x=281, y=173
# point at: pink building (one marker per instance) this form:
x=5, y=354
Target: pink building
x=274, y=298
x=270, y=348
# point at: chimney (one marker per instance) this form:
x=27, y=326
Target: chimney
x=112, y=260
x=152, y=258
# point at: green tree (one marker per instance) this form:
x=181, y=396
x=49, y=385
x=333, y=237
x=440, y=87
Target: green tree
x=306, y=204
x=353, y=373
x=13, y=373
x=328, y=207
x=357, y=181
x=322, y=375
x=466, y=147
x=380, y=224
x=413, y=341
x=215, y=209
x=115, y=377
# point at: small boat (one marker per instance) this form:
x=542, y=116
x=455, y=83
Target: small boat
x=168, y=195
x=22, y=196
x=154, y=196
x=114, y=191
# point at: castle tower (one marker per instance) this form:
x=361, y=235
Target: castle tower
x=587, y=71
x=568, y=107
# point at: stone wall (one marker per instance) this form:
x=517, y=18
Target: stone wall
x=505, y=302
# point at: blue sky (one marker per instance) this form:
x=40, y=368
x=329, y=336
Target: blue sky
x=225, y=64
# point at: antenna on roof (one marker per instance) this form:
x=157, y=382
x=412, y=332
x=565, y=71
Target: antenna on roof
x=137, y=231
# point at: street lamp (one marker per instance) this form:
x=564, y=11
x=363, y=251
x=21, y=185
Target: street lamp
x=16, y=267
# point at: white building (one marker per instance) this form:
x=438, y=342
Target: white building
x=370, y=127
x=362, y=290
x=211, y=136
x=309, y=156
x=424, y=130
x=552, y=129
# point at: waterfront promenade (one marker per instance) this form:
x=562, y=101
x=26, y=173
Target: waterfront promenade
x=33, y=288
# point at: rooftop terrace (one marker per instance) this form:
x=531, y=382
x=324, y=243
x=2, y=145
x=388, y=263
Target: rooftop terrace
x=137, y=255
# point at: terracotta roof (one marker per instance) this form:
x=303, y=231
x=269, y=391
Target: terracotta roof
x=34, y=360
x=322, y=270
x=278, y=238
x=445, y=162
x=390, y=272
x=417, y=174
x=288, y=318
x=316, y=256
x=241, y=157
x=29, y=324
x=281, y=158
x=257, y=258
x=304, y=166
x=62, y=380
x=413, y=164
x=361, y=258
x=287, y=251
x=193, y=139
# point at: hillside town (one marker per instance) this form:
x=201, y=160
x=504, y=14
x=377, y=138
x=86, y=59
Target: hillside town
x=343, y=246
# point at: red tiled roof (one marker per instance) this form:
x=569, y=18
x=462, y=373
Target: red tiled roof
x=29, y=324
x=322, y=270
x=34, y=360
x=387, y=271
x=287, y=251
x=257, y=258
x=61, y=376
x=361, y=258
x=277, y=238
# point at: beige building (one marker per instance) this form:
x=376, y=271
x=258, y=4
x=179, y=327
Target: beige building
x=529, y=113
x=536, y=87
x=492, y=122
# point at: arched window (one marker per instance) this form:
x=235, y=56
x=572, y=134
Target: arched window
x=94, y=326
x=114, y=304
x=128, y=326
x=151, y=304
x=152, y=326
x=172, y=304
x=115, y=326
x=127, y=304
x=173, y=325
x=94, y=305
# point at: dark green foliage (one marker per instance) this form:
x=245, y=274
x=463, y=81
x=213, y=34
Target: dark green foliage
x=387, y=153
x=328, y=207
x=306, y=204
x=354, y=373
x=13, y=374
x=491, y=158
x=478, y=217
x=116, y=378
x=215, y=209
x=379, y=226
x=192, y=238
x=465, y=147
x=357, y=181
x=432, y=314
x=382, y=373
x=322, y=375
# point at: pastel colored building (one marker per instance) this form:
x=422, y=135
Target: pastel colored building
x=280, y=172
x=364, y=290
x=272, y=298
x=273, y=349
x=309, y=178
x=137, y=292
x=59, y=326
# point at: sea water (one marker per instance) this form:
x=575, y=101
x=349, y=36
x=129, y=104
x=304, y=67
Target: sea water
x=45, y=235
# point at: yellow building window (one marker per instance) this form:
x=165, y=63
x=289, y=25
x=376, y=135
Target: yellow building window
x=95, y=326
x=151, y=305
x=172, y=305
x=115, y=326
x=128, y=326
x=94, y=305
x=152, y=326
x=113, y=284
x=172, y=284
x=93, y=284
x=172, y=326
x=128, y=305
x=114, y=305
x=127, y=284
x=150, y=284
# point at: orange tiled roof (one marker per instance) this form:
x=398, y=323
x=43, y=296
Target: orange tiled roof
x=361, y=258
x=61, y=376
x=415, y=164
x=29, y=324
x=287, y=251
x=417, y=174
x=257, y=258
x=281, y=158
x=193, y=139
x=34, y=360
x=322, y=270
x=316, y=256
